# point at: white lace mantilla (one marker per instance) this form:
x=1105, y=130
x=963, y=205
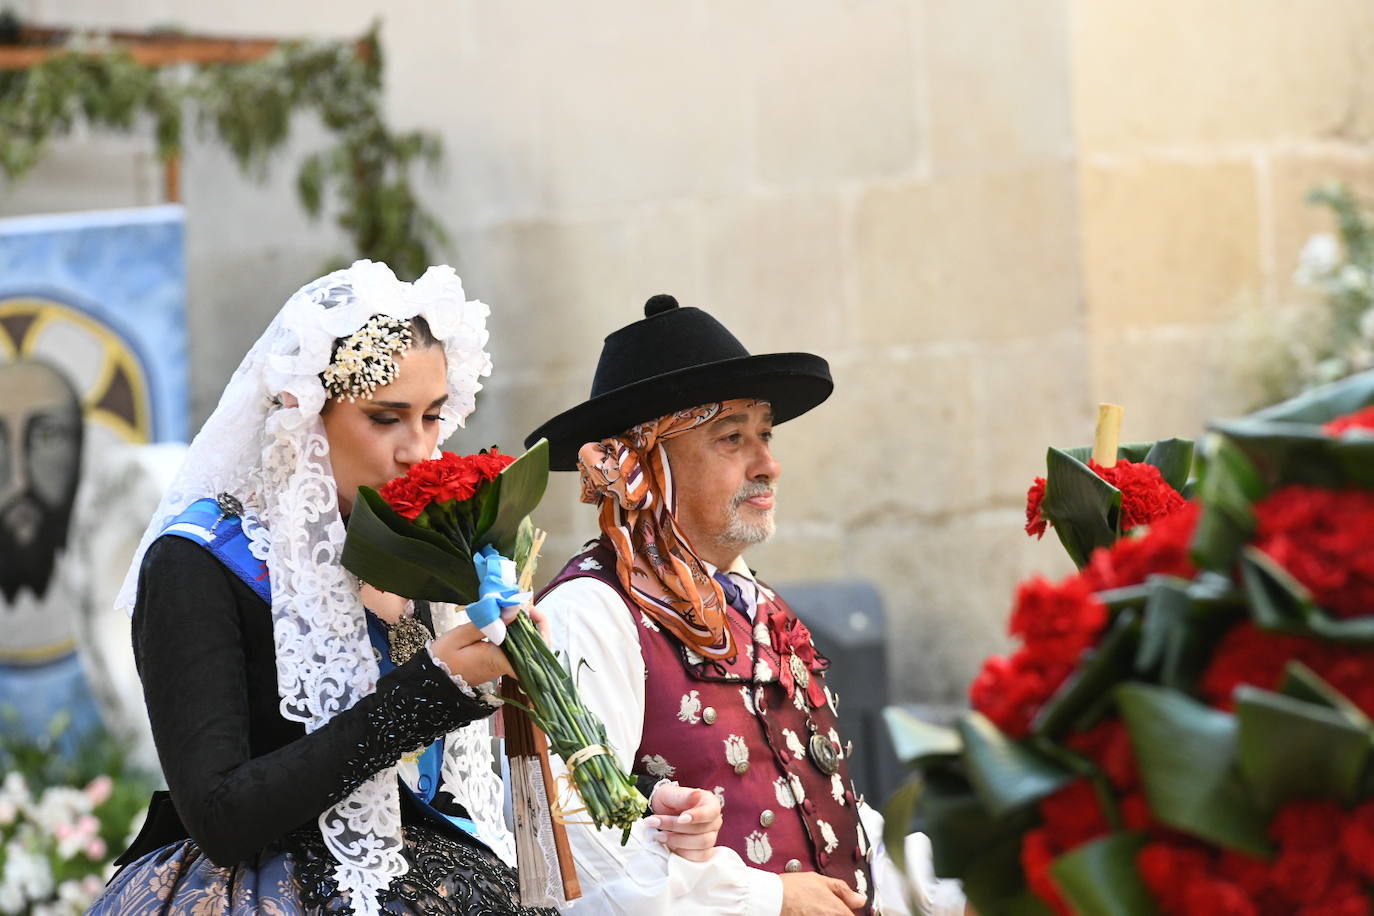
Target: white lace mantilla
x=265, y=444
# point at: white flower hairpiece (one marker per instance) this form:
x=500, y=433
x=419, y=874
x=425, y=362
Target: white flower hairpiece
x=366, y=360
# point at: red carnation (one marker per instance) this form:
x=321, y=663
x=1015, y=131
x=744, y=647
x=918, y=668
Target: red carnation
x=1168, y=869
x=405, y=497
x=1309, y=866
x=1056, y=623
x=1145, y=495
x=1073, y=815
x=1322, y=538
x=1163, y=549
x=1212, y=897
x=1109, y=746
x=1360, y=419
x=491, y=463
x=1035, y=522
x=1357, y=840
x=1036, y=856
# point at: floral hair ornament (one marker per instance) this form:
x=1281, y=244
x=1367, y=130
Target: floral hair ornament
x=366, y=359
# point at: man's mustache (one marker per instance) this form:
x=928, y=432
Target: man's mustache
x=750, y=490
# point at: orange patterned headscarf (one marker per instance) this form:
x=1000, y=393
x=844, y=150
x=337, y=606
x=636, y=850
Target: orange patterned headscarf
x=629, y=476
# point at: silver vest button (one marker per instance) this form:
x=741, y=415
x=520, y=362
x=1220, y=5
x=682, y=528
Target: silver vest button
x=792, y=866
x=766, y=818
x=708, y=715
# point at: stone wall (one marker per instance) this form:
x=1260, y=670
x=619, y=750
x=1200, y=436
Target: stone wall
x=987, y=215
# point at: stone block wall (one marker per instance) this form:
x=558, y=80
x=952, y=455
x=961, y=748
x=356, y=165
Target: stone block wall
x=987, y=215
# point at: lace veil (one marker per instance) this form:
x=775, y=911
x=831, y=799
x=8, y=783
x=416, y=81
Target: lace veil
x=270, y=451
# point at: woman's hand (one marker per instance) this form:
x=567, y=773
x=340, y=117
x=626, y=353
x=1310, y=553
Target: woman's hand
x=686, y=820
x=467, y=654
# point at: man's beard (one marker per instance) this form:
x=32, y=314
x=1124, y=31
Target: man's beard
x=30, y=561
x=742, y=531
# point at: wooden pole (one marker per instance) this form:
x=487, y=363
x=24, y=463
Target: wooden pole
x=1108, y=435
x=171, y=180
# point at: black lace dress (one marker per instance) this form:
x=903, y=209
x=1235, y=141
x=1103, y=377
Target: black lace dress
x=237, y=832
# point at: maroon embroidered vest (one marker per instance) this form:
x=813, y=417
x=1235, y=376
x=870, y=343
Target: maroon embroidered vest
x=776, y=761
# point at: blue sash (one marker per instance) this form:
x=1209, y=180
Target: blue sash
x=223, y=535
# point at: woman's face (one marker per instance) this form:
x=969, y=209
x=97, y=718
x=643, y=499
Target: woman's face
x=376, y=439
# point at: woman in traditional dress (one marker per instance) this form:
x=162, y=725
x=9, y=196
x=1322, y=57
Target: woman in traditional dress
x=325, y=750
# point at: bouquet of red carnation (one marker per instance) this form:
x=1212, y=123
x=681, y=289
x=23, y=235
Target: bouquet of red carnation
x=1187, y=725
x=442, y=533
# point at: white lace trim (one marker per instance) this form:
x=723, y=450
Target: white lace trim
x=456, y=678
x=269, y=450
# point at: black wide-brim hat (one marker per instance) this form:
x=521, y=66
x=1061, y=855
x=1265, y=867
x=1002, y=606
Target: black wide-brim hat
x=673, y=359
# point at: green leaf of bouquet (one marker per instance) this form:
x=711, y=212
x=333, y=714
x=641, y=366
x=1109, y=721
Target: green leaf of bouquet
x=1291, y=749
x=1289, y=453
x=486, y=510
x=1229, y=487
x=1320, y=405
x=1109, y=663
x=970, y=844
x=1174, y=459
x=1282, y=604
x=522, y=486
x=1100, y=878
x=1183, y=621
x=1084, y=508
x=897, y=817
x=1126, y=451
x=1302, y=683
x=1186, y=753
x=914, y=739
x=1006, y=774
x=387, y=551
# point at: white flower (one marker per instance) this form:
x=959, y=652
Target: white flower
x=689, y=710
x=720, y=796
x=863, y=842
x=798, y=790
x=736, y=751
x=589, y=563
x=828, y=834
x=760, y=706
x=1353, y=278
x=783, y=790
x=762, y=671
x=860, y=882
x=837, y=788
x=794, y=743
x=761, y=632
x=657, y=766
x=692, y=657
x=747, y=697
x=1319, y=258
x=799, y=697
x=758, y=847
x=28, y=873
x=648, y=622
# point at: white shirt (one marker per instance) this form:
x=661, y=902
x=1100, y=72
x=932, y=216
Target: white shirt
x=588, y=621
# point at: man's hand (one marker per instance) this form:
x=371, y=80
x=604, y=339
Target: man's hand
x=686, y=820
x=808, y=893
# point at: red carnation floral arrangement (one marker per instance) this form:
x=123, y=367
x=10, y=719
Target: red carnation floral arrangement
x=1187, y=723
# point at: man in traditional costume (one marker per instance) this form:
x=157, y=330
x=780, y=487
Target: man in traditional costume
x=700, y=672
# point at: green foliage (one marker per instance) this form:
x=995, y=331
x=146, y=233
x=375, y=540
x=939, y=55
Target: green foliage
x=364, y=177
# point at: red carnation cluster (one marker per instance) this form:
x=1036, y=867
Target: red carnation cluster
x=1360, y=419
x=1249, y=655
x=1074, y=816
x=448, y=477
x=1325, y=855
x=1322, y=537
x=1163, y=549
x=1056, y=622
x=1145, y=495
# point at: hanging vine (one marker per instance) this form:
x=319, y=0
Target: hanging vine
x=364, y=178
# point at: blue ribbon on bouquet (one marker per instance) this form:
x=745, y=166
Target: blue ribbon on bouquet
x=496, y=586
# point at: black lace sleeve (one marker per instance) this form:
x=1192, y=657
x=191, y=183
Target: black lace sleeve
x=210, y=688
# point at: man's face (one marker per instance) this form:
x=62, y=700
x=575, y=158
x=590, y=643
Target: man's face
x=40, y=461
x=724, y=474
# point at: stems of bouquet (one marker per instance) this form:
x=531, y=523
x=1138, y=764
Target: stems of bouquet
x=1107, y=436
x=609, y=794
